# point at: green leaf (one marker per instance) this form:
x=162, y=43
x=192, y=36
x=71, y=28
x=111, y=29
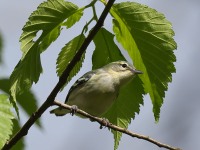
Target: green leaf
x=26, y=71
x=46, y=19
x=66, y=55
x=29, y=106
x=127, y=105
x=6, y=117
x=20, y=144
x=49, y=38
x=106, y=50
x=147, y=36
x=130, y=97
x=73, y=18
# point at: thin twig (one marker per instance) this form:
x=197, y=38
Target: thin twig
x=24, y=130
x=116, y=128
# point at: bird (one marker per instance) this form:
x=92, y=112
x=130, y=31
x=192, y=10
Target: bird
x=97, y=90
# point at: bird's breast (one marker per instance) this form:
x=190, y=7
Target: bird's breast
x=95, y=97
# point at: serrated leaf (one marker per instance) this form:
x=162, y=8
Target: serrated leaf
x=49, y=38
x=130, y=97
x=127, y=105
x=6, y=117
x=66, y=55
x=29, y=106
x=73, y=18
x=46, y=19
x=26, y=71
x=106, y=50
x=147, y=36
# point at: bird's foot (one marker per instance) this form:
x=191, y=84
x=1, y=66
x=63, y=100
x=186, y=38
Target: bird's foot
x=92, y=120
x=73, y=110
x=104, y=123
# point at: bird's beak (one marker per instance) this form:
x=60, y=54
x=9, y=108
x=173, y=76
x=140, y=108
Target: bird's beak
x=137, y=72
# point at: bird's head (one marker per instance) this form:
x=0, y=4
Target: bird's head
x=123, y=71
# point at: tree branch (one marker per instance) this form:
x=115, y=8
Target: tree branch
x=116, y=128
x=24, y=130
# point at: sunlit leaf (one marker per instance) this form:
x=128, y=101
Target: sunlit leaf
x=46, y=20
x=66, y=55
x=49, y=38
x=73, y=18
x=147, y=36
x=6, y=117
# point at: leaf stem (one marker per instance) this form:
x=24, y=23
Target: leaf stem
x=94, y=13
x=85, y=28
x=90, y=4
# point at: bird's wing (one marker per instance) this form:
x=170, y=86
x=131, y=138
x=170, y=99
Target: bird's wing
x=80, y=81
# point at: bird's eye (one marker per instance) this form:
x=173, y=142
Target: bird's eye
x=124, y=65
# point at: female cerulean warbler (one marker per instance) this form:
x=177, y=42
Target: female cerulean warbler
x=97, y=90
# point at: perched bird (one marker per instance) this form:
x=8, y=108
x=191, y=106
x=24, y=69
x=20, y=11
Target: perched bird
x=97, y=90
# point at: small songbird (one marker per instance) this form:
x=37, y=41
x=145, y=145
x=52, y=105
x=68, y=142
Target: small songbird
x=97, y=90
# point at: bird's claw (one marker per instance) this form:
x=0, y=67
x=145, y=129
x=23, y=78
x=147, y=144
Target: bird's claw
x=104, y=123
x=73, y=110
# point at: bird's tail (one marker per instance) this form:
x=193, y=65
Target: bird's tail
x=59, y=111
